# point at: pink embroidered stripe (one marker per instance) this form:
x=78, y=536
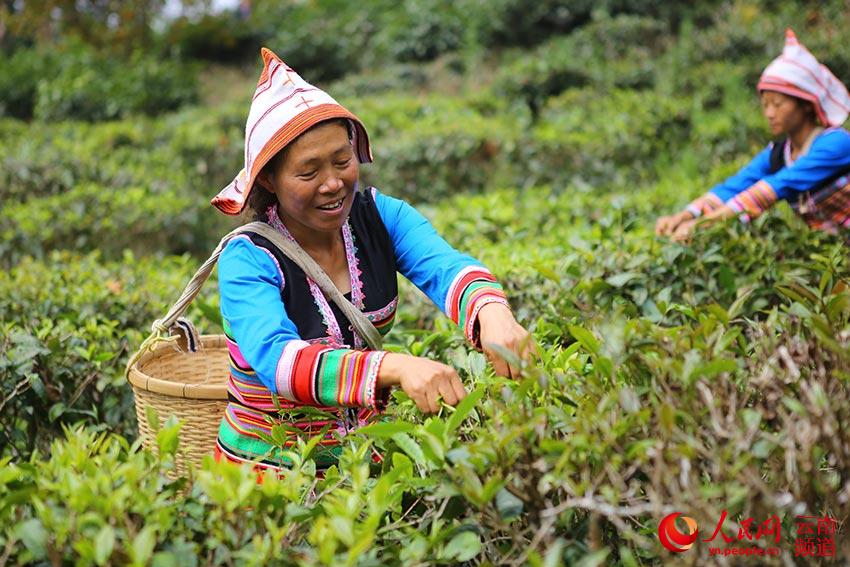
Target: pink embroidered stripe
x=236, y=354
x=286, y=368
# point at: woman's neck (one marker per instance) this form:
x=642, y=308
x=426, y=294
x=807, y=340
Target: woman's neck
x=317, y=244
x=800, y=138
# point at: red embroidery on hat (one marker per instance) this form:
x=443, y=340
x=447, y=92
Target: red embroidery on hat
x=288, y=80
x=304, y=102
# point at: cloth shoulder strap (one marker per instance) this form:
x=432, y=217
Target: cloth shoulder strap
x=314, y=271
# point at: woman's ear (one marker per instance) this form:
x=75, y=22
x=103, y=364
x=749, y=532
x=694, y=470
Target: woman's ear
x=264, y=179
x=809, y=110
x=813, y=113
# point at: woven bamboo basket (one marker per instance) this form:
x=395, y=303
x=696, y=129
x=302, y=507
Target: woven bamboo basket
x=188, y=385
x=180, y=374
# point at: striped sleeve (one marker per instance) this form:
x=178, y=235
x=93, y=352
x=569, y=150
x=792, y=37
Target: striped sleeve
x=458, y=284
x=472, y=288
x=704, y=205
x=263, y=340
x=754, y=201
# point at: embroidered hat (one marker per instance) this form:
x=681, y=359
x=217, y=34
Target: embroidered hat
x=797, y=73
x=284, y=107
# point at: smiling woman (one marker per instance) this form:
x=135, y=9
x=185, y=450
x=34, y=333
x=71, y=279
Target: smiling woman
x=290, y=346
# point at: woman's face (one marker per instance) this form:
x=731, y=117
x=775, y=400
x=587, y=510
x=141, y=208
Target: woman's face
x=785, y=114
x=316, y=181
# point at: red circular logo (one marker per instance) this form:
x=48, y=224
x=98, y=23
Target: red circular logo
x=672, y=538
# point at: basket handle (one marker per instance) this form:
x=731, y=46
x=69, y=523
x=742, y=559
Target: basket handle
x=294, y=252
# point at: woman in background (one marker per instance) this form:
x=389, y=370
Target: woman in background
x=808, y=165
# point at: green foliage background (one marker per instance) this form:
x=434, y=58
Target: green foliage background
x=542, y=139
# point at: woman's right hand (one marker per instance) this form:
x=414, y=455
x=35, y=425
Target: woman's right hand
x=424, y=380
x=666, y=226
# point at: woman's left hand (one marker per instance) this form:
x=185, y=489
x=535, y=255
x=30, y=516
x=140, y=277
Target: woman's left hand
x=684, y=231
x=499, y=328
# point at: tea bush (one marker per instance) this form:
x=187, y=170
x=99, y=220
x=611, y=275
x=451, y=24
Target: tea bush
x=511, y=22
x=223, y=37
x=19, y=74
x=323, y=39
x=610, y=51
x=679, y=325
x=467, y=140
x=68, y=324
x=115, y=185
x=579, y=460
x=425, y=147
x=73, y=81
x=422, y=30
x=173, y=153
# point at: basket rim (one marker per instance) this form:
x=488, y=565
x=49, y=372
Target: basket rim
x=138, y=378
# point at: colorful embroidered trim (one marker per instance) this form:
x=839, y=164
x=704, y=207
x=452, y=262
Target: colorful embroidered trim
x=472, y=288
x=308, y=374
x=384, y=318
x=754, y=201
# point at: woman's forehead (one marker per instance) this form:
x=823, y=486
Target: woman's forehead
x=775, y=96
x=318, y=142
